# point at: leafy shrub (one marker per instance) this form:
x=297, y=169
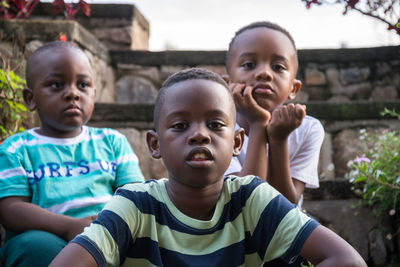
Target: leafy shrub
x=12, y=111
x=376, y=174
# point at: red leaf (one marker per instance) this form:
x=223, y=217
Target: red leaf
x=62, y=37
x=32, y=6
x=20, y=4
x=85, y=7
x=352, y=3
x=57, y=7
x=71, y=10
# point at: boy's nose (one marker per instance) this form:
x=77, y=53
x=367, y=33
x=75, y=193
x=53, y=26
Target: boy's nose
x=199, y=136
x=264, y=73
x=71, y=92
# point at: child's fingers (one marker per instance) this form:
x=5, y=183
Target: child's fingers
x=300, y=111
x=237, y=93
x=237, y=88
x=248, y=96
x=246, y=104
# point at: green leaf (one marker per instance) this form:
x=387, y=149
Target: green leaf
x=20, y=107
x=360, y=179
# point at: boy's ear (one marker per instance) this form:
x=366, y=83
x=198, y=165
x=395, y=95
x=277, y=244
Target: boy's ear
x=238, y=142
x=152, y=144
x=95, y=92
x=226, y=78
x=295, y=89
x=29, y=99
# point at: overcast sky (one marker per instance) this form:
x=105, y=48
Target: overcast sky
x=210, y=24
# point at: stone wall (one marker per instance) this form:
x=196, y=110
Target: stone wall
x=24, y=36
x=335, y=207
x=371, y=75
x=334, y=75
x=117, y=26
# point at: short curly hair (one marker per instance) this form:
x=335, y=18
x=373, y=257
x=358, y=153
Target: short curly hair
x=258, y=24
x=30, y=65
x=184, y=75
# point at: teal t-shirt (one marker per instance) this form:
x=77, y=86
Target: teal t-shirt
x=71, y=176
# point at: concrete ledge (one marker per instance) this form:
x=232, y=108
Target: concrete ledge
x=346, y=55
x=194, y=58
x=355, y=110
x=172, y=58
x=139, y=113
x=122, y=113
x=48, y=30
x=330, y=189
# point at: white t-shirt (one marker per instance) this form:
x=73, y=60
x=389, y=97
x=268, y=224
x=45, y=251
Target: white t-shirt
x=304, y=148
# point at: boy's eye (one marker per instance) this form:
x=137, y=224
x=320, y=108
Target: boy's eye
x=83, y=85
x=179, y=126
x=248, y=65
x=278, y=67
x=57, y=85
x=215, y=125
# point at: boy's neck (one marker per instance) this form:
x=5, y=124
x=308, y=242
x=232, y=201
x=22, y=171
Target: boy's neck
x=195, y=202
x=59, y=134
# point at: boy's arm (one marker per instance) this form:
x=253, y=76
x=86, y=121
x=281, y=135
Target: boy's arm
x=18, y=214
x=325, y=248
x=74, y=255
x=284, y=120
x=258, y=118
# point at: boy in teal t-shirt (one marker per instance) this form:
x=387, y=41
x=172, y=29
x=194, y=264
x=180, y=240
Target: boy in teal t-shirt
x=56, y=178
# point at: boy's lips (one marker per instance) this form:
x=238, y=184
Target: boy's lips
x=199, y=157
x=263, y=88
x=72, y=109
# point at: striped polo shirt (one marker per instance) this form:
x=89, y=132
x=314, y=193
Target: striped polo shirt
x=252, y=223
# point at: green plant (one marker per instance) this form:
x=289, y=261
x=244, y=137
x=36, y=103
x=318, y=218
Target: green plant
x=376, y=173
x=307, y=264
x=12, y=111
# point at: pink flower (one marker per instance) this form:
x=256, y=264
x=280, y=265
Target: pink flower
x=361, y=159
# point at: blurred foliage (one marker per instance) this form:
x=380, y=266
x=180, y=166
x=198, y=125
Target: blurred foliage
x=13, y=113
x=376, y=174
x=23, y=8
x=386, y=11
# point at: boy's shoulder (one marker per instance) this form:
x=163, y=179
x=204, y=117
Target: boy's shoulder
x=310, y=125
x=30, y=138
x=246, y=185
x=311, y=121
x=17, y=140
x=95, y=131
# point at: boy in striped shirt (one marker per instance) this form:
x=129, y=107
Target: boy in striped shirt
x=56, y=178
x=198, y=217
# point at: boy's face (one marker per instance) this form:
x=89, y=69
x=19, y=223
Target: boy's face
x=266, y=60
x=63, y=91
x=196, y=137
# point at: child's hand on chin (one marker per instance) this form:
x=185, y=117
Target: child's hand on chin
x=284, y=120
x=247, y=105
